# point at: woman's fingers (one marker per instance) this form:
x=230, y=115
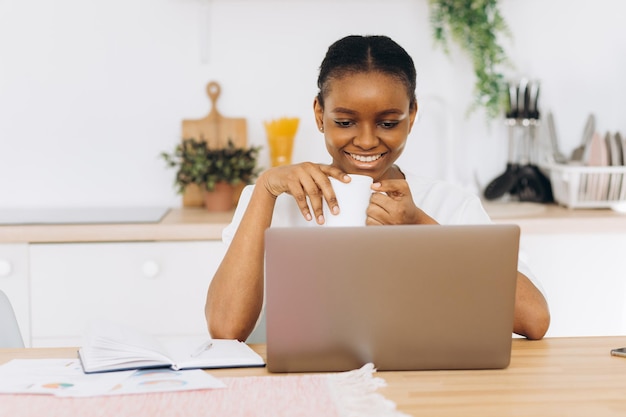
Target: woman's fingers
x=320, y=189
x=393, y=188
x=314, y=190
x=391, y=203
x=309, y=185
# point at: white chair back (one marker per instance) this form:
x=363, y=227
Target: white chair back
x=10, y=335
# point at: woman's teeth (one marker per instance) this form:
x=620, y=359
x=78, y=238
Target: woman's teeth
x=362, y=158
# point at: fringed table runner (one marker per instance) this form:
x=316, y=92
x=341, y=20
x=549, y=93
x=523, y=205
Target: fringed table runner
x=345, y=394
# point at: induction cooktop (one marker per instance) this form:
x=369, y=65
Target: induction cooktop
x=83, y=215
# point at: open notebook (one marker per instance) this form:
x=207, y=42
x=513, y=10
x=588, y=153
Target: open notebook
x=114, y=347
x=401, y=297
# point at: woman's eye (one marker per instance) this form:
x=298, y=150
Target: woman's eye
x=343, y=123
x=388, y=125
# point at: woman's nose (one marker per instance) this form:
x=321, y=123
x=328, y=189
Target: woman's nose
x=366, y=138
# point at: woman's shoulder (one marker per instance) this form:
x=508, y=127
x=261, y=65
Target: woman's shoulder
x=427, y=185
x=445, y=201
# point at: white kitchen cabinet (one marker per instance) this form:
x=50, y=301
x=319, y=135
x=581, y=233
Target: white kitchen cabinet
x=158, y=287
x=14, y=282
x=584, y=277
x=155, y=276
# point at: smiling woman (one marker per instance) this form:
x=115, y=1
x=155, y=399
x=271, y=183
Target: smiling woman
x=365, y=134
x=365, y=108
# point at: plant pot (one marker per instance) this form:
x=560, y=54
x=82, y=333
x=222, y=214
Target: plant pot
x=221, y=198
x=193, y=196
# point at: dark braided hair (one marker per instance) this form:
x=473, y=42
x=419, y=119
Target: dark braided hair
x=357, y=54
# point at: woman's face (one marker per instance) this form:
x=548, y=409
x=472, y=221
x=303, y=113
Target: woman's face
x=366, y=120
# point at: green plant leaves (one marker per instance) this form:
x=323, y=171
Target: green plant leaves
x=199, y=164
x=475, y=26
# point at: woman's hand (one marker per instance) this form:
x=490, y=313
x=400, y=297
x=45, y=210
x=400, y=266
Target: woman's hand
x=305, y=180
x=392, y=203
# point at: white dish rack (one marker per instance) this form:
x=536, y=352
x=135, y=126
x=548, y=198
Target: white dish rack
x=577, y=186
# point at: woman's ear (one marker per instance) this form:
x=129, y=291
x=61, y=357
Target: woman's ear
x=412, y=114
x=318, y=111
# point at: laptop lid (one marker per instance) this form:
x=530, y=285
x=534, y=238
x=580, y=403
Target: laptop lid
x=401, y=297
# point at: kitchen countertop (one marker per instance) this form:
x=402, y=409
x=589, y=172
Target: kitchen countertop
x=552, y=219
x=177, y=224
x=198, y=224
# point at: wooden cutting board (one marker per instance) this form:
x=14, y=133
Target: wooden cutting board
x=215, y=128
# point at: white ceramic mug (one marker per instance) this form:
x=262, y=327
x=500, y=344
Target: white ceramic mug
x=353, y=199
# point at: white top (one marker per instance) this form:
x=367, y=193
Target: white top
x=444, y=202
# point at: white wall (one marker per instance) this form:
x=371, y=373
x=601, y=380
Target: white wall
x=92, y=91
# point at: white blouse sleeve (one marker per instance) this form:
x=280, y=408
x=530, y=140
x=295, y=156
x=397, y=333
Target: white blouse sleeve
x=229, y=231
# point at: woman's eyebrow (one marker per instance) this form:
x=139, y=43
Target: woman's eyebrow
x=391, y=111
x=343, y=110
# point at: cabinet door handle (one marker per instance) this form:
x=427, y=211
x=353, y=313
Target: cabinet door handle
x=5, y=268
x=150, y=269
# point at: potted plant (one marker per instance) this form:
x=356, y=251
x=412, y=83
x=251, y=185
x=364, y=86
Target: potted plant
x=189, y=157
x=215, y=172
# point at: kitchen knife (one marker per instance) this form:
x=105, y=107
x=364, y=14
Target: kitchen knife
x=558, y=157
x=533, y=100
x=522, y=99
x=512, y=104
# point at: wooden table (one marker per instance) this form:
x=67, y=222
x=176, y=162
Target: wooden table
x=550, y=377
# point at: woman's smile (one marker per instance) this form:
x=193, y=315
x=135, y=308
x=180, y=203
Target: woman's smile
x=365, y=158
x=365, y=163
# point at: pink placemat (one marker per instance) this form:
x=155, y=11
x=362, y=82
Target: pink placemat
x=343, y=394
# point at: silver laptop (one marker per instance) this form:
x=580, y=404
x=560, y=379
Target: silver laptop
x=401, y=297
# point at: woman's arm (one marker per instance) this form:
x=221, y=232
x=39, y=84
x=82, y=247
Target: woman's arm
x=235, y=296
x=532, y=316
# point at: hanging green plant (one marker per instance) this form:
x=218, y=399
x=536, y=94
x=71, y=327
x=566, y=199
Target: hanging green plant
x=475, y=26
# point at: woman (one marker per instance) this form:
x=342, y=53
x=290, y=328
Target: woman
x=366, y=107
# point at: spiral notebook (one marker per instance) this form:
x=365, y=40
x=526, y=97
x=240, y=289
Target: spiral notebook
x=401, y=297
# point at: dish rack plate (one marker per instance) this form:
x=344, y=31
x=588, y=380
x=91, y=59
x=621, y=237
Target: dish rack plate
x=577, y=186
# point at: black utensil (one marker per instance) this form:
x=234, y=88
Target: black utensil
x=522, y=99
x=532, y=185
x=511, y=110
x=521, y=177
x=505, y=182
x=533, y=100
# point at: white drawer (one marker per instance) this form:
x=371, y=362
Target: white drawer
x=14, y=282
x=159, y=287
